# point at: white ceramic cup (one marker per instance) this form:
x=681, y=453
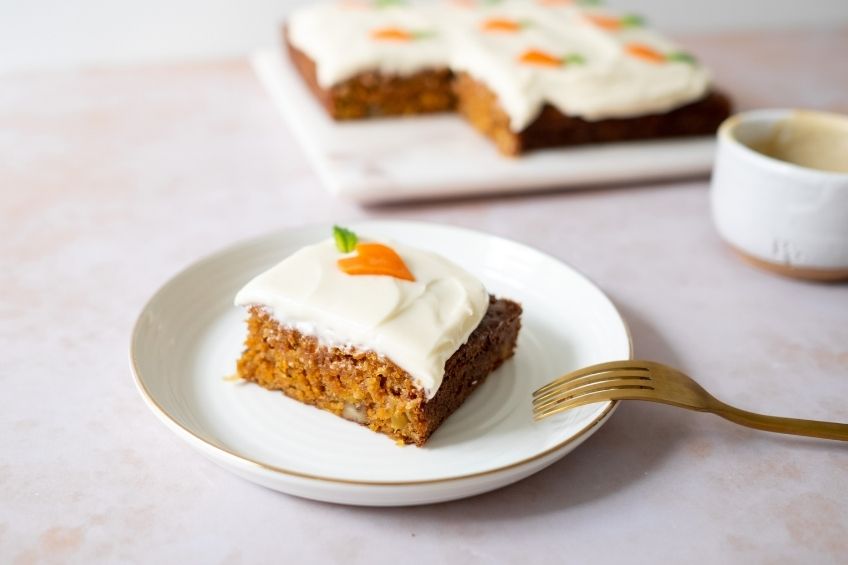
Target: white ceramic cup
x=787, y=218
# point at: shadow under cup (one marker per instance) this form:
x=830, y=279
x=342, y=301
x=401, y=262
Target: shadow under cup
x=780, y=215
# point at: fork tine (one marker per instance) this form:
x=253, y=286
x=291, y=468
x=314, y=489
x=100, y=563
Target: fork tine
x=630, y=365
x=597, y=396
x=588, y=388
x=591, y=378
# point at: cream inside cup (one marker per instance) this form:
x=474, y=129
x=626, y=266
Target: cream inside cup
x=808, y=139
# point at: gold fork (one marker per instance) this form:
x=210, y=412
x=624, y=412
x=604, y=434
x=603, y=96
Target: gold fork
x=646, y=380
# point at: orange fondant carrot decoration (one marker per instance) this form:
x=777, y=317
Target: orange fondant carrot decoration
x=644, y=52
x=376, y=259
x=545, y=59
x=502, y=25
x=539, y=57
x=611, y=23
x=392, y=34
x=604, y=22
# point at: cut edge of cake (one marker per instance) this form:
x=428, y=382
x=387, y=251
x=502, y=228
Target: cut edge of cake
x=551, y=128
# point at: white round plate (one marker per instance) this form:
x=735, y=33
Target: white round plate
x=188, y=337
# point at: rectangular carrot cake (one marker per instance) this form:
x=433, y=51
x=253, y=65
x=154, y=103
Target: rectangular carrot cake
x=529, y=74
x=385, y=335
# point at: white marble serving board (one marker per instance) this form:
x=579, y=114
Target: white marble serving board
x=411, y=158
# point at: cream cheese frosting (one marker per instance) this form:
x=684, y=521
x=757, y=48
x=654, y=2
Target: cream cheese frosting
x=339, y=37
x=608, y=81
x=417, y=325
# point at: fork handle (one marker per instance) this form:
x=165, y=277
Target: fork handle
x=793, y=426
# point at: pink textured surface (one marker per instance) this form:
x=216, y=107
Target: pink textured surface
x=112, y=180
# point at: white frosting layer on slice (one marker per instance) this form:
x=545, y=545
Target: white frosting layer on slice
x=338, y=36
x=417, y=325
x=610, y=83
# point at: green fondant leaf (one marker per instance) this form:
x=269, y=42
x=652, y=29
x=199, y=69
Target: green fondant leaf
x=632, y=20
x=389, y=3
x=681, y=57
x=574, y=59
x=345, y=239
x=426, y=34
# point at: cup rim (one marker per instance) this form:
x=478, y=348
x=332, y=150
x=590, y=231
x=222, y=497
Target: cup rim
x=726, y=132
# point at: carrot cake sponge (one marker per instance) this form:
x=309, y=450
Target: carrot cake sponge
x=389, y=336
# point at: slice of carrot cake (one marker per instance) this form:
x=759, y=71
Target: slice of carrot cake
x=383, y=334
x=372, y=58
